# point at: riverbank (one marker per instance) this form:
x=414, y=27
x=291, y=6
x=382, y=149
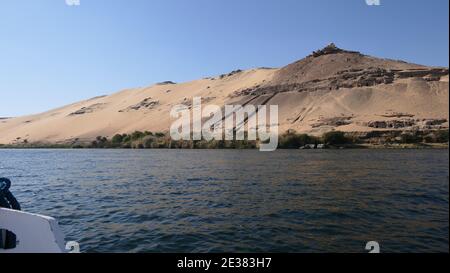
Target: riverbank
x=289, y=140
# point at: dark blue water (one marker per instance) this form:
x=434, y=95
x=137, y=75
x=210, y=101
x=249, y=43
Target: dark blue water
x=240, y=201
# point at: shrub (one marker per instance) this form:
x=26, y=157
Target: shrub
x=410, y=138
x=126, y=138
x=295, y=141
x=117, y=139
x=136, y=135
x=77, y=146
x=430, y=138
x=148, y=141
x=335, y=138
x=442, y=136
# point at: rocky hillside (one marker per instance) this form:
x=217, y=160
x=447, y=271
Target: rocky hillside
x=333, y=68
x=331, y=89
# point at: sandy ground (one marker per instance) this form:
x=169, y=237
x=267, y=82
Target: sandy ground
x=106, y=116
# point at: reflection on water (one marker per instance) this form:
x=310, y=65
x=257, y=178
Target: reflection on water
x=244, y=201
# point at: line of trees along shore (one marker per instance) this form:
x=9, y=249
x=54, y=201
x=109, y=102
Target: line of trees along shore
x=288, y=140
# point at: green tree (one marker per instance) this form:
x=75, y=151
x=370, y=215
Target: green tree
x=295, y=141
x=117, y=139
x=136, y=135
x=442, y=136
x=335, y=138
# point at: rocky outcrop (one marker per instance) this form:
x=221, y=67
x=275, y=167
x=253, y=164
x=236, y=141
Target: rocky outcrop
x=332, y=68
x=330, y=49
x=334, y=122
x=351, y=78
x=166, y=83
x=407, y=123
x=391, y=124
x=188, y=102
x=232, y=73
x=90, y=109
x=147, y=103
x=397, y=115
x=431, y=74
x=432, y=123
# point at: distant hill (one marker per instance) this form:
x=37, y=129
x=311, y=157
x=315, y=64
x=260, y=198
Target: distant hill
x=331, y=89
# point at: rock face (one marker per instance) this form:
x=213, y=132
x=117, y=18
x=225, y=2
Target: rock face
x=332, y=68
x=147, y=103
x=393, y=124
x=89, y=109
x=333, y=122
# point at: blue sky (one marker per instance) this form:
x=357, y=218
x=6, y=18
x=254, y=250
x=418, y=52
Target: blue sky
x=52, y=54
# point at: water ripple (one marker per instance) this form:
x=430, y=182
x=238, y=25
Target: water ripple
x=240, y=201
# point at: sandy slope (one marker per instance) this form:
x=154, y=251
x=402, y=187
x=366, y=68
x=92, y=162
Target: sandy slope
x=307, y=111
x=415, y=97
x=59, y=125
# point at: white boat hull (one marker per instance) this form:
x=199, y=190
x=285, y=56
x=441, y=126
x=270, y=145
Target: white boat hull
x=35, y=233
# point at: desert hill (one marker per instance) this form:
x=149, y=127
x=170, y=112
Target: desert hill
x=331, y=89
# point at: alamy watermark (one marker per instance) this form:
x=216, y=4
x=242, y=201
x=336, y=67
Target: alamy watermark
x=373, y=247
x=72, y=2
x=373, y=2
x=73, y=247
x=232, y=122
x=368, y=2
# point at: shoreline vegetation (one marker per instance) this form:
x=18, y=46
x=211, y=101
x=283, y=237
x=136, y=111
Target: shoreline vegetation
x=288, y=140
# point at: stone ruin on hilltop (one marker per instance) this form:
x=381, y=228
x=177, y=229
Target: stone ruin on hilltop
x=330, y=49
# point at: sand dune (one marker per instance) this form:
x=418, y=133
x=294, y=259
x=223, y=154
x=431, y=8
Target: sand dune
x=331, y=89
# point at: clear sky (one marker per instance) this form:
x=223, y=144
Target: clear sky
x=52, y=54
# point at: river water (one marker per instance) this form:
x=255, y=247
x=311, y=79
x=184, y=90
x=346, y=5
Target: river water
x=238, y=200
